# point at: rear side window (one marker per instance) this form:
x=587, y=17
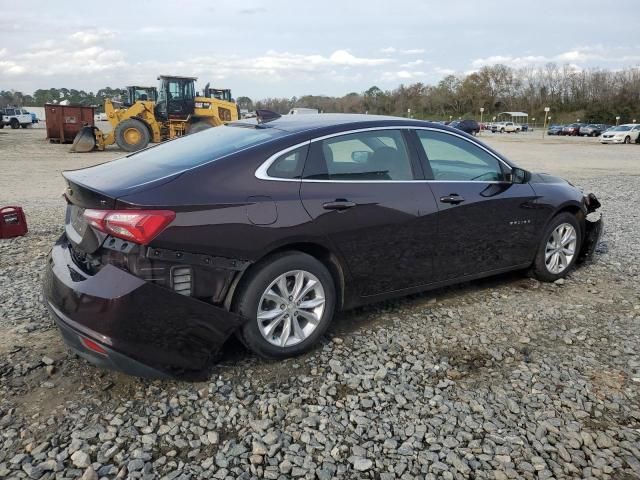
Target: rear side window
x=290, y=164
x=455, y=159
x=373, y=155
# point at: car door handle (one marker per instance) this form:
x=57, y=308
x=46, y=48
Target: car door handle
x=454, y=198
x=339, y=204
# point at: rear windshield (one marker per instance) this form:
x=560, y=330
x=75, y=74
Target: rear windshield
x=199, y=148
x=171, y=158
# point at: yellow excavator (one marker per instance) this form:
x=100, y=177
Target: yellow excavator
x=155, y=115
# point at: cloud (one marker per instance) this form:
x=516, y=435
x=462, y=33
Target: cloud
x=402, y=75
x=576, y=58
x=251, y=10
x=412, y=64
x=342, y=57
x=444, y=71
x=92, y=37
x=410, y=51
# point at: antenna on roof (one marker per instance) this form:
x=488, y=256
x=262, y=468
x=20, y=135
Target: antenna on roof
x=265, y=116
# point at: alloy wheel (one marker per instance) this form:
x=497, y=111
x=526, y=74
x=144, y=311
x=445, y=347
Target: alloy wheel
x=291, y=308
x=560, y=248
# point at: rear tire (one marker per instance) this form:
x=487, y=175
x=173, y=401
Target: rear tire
x=132, y=135
x=543, y=265
x=253, y=298
x=25, y=125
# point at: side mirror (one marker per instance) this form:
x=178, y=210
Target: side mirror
x=519, y=175
x=360, y=156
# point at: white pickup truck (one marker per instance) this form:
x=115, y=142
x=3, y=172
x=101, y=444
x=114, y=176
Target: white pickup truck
x=505, y=127
x=15, y=118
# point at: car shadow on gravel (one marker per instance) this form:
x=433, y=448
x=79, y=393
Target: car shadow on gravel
x=369, y=316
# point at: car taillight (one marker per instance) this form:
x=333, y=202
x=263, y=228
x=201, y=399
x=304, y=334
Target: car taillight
x=140, y=226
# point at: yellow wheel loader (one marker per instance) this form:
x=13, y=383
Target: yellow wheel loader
x=151, y=115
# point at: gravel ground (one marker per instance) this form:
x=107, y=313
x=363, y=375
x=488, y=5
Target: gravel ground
x=500, y=378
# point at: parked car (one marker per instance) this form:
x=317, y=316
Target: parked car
x=592, y=130
x=572, y=129
x=34, y=117
x=524, y=127
x=627, y=133
x=15, y=118
x=555, y=130
x=268, y=227
x=505, y=127
x=467, y=126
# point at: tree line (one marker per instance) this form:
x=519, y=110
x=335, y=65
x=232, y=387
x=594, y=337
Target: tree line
x=595, y=95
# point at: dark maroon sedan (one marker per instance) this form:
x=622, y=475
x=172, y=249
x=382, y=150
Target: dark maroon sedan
x=267, y=228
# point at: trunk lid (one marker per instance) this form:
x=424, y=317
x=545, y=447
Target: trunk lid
x=99, y=188
x=81, y=236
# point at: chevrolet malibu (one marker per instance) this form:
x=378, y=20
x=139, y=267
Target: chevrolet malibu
x=266, y=227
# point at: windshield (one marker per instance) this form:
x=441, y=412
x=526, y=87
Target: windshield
x=621, y=128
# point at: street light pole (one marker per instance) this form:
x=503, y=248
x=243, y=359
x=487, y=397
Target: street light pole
x=481, y=112
x=544, y=126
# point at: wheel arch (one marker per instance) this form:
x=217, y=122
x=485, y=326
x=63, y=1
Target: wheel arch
x=574, y=208
x=320, y=252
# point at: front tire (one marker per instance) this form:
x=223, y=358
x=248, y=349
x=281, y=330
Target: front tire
x=627, y=140
x=132, y=135
x=289, y=300
x=14, y=124
x=559, y=248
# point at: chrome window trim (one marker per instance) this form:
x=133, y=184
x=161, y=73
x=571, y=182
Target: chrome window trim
x=261, y=172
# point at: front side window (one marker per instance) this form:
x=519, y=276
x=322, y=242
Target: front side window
x=455, y=159
x=289, y=165
x=371, y=156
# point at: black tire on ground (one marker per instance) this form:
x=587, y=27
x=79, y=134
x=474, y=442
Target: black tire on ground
x=14, y=123
x=539, y=267
x=132, y=135
x=25, y=125
x=251, y=290
x=1, y=124
x=627, y=140
x=502, y=130
x=199, y=127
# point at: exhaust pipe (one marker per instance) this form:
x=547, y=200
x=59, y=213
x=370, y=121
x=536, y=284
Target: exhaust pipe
x=85, y=140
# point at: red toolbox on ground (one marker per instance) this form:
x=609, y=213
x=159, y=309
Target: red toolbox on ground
x=12, y=222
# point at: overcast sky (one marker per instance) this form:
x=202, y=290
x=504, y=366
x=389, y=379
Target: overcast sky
x=286, y=48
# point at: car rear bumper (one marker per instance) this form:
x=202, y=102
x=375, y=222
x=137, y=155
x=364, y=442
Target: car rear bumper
x=138, y=327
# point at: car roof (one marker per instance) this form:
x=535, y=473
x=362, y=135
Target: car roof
x=301, y=123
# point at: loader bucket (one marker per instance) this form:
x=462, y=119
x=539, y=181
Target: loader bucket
x=85, y=140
